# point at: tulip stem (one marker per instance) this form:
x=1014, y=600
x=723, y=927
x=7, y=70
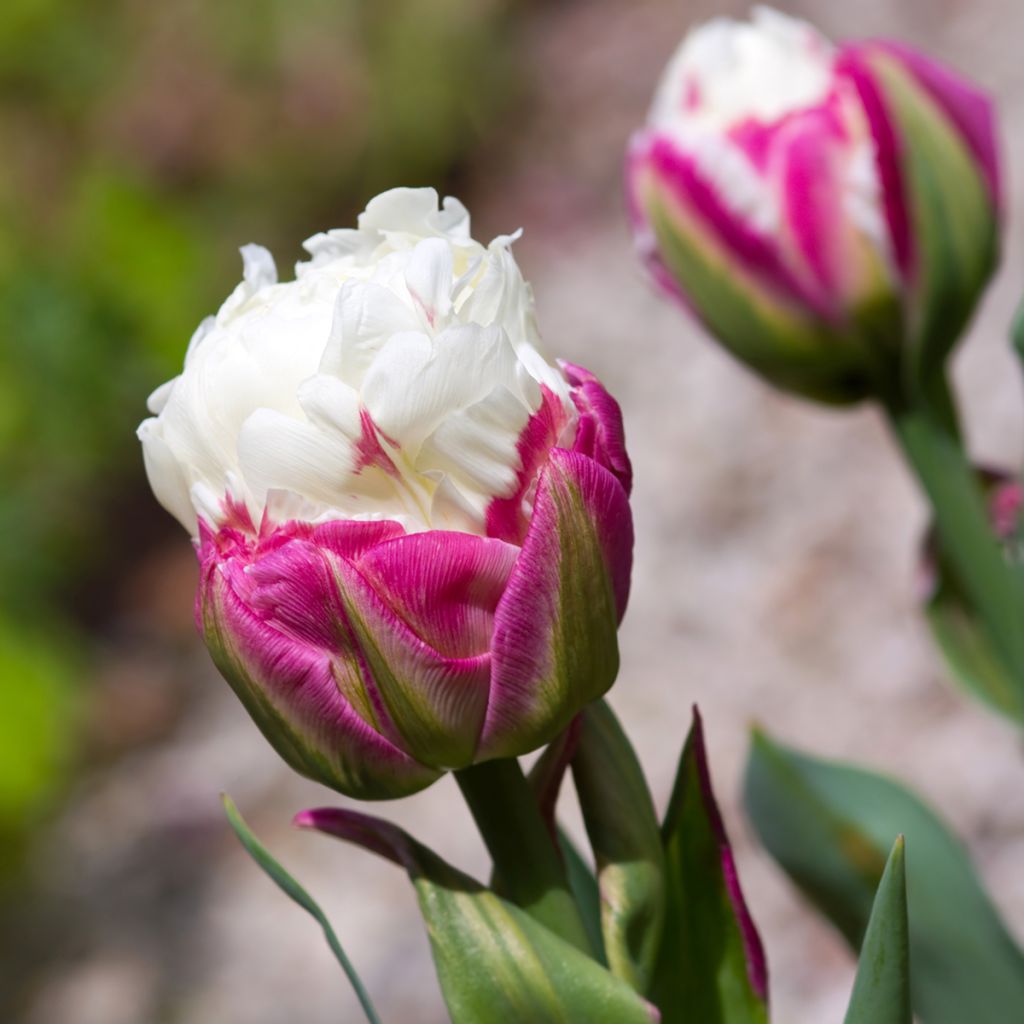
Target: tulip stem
x=527, y=865
x=962, y=522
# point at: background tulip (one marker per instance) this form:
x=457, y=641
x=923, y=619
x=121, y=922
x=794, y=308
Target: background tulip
x=414, y=531
x=829, y=213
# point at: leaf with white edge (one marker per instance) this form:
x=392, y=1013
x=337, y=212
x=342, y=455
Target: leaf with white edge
x=619, y=816
x=496, y=964
x=294, y=891
x=711, y=965
x=881, y=990
x=829, y=826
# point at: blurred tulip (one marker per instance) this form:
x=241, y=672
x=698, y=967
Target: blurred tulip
x=414, y=532
x=829, y=213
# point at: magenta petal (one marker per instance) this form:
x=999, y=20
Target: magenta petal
x=288, y=687
x=428, y=704
x=445, y=586
x=808, y=161
x=554, y=647
x=854, y=65
x=970, y=109
x=600, y=433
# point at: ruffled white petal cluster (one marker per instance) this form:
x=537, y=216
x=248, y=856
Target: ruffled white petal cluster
x=391, y=379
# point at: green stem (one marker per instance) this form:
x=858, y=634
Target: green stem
x=965, y=533
x=528, y=867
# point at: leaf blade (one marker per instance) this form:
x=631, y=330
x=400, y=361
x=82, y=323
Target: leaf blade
x=881, y=989
x=291, y=888
x=828, y=825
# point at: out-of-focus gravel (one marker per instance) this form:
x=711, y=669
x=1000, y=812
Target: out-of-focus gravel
x=774, y=581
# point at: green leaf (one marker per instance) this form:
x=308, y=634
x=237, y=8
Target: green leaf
x=586, y=893
x=294, y=891
x=711, y=965
x=881, y=990
x=496, y=964
x=829, y=826
x=620, y=819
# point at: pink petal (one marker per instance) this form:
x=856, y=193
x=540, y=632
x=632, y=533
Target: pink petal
x=554, y=647
x=600, y=433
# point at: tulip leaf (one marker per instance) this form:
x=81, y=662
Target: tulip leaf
x=296, y=892
x=829, y=826
x=711, y=965
x=623, y=829
x=972, y=656
x=496, y=964
x=585, y=891
x=881, y=990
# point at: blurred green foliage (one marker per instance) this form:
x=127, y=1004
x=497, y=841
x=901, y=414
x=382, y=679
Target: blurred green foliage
x=142, y=144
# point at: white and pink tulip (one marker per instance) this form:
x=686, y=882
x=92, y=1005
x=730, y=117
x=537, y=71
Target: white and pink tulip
x=414, y=531
x=830, y=213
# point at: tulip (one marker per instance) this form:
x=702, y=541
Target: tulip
x=831, y=214
x=413, y=530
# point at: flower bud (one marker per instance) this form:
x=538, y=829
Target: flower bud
x=413, y=531
x=829, y=213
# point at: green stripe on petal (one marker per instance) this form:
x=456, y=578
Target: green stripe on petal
x=792, y=350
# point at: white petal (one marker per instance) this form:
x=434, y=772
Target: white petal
x=166, y=475
x=428, y=276
x=415, y=382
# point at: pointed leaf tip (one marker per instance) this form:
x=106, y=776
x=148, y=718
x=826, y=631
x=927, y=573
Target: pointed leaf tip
x=711, y=964
x=881, y=989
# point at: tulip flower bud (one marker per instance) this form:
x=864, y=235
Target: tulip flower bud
x=414, y=532
x=829, y=213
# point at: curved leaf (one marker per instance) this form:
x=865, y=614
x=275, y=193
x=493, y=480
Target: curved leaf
x=496, y=964
x=829, y=826
x=293, y=890
x=711, y=966
x=619, y=815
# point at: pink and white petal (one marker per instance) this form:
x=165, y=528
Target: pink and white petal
x=508, y=516
x=555, y=647
x=444, y=586
x=853, y=64
x=810, y=162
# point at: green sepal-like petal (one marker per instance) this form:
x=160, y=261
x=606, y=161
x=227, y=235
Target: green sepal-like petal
x=711, y=965
x=881, y=990
x=829, y=826
x=623, y=829
x=496, y=964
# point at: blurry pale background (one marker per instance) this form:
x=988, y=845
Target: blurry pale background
x=775, y=571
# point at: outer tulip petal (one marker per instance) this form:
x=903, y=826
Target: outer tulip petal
x=554, y=646
x=289, y=689
x=445, y=586
x=429, y=705
x=599, y=433
x=734, y=281
x=944, y=192
x=969, y=108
